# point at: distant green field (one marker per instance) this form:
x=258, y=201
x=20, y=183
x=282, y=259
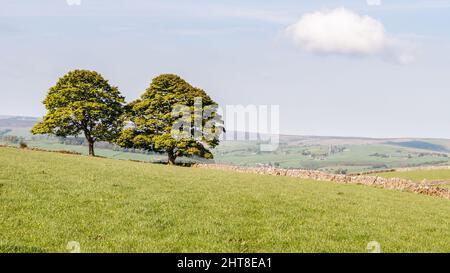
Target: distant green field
x=49, y=199
x=52, y=145
x=330, y=154
x=352, y=158
x=420, y=175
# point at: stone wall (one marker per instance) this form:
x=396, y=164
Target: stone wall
x=374, y=181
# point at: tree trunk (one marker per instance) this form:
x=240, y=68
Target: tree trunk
x=171, y=157
x=90, y=140
x=91, y=148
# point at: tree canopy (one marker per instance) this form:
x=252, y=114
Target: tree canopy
x=82, y=102
x=172, y=117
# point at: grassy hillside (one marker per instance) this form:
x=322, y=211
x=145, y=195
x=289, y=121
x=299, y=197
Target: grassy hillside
x=49, y=199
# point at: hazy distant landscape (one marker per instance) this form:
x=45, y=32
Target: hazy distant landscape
x=330, y=154
x=236, y=128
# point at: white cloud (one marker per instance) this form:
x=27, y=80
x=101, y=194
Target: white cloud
x=344, y=32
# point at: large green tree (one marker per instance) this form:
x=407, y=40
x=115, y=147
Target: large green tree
x=82, y=102
x=172, y=117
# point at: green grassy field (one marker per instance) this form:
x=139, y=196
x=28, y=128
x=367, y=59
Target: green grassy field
x=49, y=199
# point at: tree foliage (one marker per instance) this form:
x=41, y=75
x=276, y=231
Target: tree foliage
x=172, y=117
x=82, y=102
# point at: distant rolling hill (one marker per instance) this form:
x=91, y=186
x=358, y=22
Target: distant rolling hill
x=17, y=122
x=326, y=153
x=417, y=144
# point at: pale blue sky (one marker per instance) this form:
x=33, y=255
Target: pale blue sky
x=239, y=52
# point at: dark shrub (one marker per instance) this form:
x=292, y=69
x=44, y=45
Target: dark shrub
x=23, y=145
